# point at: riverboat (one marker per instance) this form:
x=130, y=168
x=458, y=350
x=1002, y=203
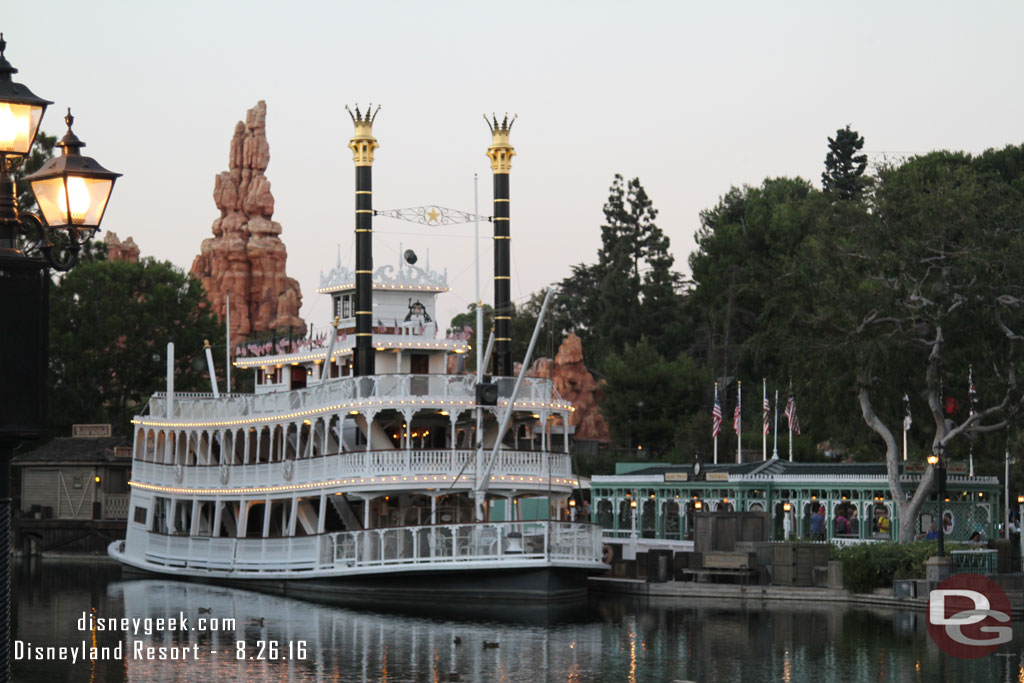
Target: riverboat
x=360, y=463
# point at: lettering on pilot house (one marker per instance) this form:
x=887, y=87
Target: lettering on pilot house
x=90, y=431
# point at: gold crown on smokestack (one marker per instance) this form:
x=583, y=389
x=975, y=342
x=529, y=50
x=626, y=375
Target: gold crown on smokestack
x=501, y=151
x=363, y=143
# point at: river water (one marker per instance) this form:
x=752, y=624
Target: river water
x=248, y=636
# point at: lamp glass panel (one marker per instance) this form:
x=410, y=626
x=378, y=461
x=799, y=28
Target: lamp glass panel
x=85, y=197
x=47, y=192
x=18, y=126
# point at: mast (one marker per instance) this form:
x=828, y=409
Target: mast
x=362, y=145
x=500, y=153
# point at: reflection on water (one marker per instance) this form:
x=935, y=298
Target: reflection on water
x=610, y=638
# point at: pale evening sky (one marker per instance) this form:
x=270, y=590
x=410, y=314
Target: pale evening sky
x=690, y=97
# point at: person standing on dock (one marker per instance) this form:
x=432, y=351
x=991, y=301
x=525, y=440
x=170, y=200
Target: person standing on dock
x=818, y=523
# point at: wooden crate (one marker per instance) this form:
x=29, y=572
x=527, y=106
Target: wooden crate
x=720, y=560
x=782, y=574
x=782, y=553
x=722, y=530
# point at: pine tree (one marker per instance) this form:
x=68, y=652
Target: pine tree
x=635, y=283
x=844, y=168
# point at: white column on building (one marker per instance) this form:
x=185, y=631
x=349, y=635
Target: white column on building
x=453, y=416
x=322, y=516
x=266, y=518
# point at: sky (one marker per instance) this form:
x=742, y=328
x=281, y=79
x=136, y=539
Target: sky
x=692, y=98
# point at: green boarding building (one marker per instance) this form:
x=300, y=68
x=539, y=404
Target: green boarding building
x=658, y=501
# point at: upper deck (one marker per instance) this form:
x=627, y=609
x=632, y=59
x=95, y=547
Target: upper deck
x=376, y=392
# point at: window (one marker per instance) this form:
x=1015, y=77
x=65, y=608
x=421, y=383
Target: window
x=140, y=515
x=161, y=511
x=346, y=306
x=337, y=306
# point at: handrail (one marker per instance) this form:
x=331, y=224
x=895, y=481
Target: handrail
x=389, y=390
x=407, y=548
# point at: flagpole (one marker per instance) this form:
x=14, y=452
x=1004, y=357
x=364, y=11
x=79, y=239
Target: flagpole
x=789, y=420
x=906, y=423
x=739, y=422
x=764, y=418
x=227, y=334
x=716, y=433
x=970, y=399
x=775, y=444
x=790, y=440
x=1006, y=494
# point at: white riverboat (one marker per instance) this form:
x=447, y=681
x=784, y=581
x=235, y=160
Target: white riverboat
x=327, y=481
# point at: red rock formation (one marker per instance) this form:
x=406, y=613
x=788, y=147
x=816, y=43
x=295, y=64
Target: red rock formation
x=574, y=383
x=121, y=251
x=245, y=257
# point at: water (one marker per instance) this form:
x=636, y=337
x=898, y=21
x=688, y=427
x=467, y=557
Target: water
x=607, y=638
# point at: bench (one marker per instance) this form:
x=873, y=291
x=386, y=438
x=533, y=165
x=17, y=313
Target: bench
x=702, y=575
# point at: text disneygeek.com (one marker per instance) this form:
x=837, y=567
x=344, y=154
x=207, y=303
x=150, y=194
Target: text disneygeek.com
x=141, y=649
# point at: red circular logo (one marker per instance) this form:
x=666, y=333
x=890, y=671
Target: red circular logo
x=969, y=616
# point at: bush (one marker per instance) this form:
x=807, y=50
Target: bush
x=867, y=566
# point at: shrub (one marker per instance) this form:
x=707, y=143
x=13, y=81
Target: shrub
x=867, y=566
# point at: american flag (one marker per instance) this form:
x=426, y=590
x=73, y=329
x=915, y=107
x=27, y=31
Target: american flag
x=716, y=417
x=764, y=413
x=972, y=394
x=794, y=422
x=736, y=417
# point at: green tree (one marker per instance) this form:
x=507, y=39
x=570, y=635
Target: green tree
x=748, y=247
x=110, y=323
x=467, y=320
x=575, y=307
x=905, y=292
x=632, y=290
x=646, y=394
x=844, y=167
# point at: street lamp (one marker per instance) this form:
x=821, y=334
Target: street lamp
x=72, y=193
x=1020, y=529
x=938, y=462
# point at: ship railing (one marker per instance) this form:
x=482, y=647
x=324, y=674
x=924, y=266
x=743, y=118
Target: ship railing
x=115, y=506
x=416, y=465
x=425, y=387
x=476, y=544
x=234, y=554
x=487, y=543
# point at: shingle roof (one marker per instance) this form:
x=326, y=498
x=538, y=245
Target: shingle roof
x=774, y=466
x=71, y=450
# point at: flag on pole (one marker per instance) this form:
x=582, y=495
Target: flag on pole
x=766, y=409
x=716, y=416
x=736, y=416
x=972, y=394
x=907, y=420
x=794, y=422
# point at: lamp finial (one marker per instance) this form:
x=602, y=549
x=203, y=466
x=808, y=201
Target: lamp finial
x=70, y=142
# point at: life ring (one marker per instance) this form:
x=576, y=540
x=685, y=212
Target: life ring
x=607, y=554
x=225, y=473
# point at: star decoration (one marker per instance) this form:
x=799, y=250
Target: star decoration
x=433, y=215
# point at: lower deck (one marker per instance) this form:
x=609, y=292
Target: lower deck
x=394, y=550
